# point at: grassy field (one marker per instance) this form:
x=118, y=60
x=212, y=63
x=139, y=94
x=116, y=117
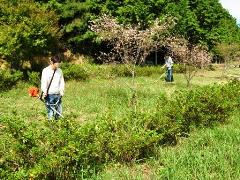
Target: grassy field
x=87, y=99
x=206, y=154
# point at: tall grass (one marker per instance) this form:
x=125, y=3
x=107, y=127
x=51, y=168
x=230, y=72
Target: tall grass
x=206, y=154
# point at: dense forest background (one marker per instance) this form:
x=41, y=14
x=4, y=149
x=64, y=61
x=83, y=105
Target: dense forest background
x=30, y=28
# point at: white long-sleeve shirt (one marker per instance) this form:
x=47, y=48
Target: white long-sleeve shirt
x=168, y=62
x=57, y=85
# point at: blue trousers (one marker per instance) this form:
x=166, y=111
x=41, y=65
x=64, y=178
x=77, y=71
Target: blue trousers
x=53, y=103
x=169, y=75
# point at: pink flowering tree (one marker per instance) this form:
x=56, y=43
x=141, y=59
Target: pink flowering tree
x=130, y=44
x=193, y=57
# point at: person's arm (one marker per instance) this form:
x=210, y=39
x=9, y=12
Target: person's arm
x=171, y=61
x=165, y=63
x=62, y=85
x=44, y=82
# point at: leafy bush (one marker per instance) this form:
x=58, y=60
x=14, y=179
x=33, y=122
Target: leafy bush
x=231, y=92
x=9, y=78
x=179, y=68
x=210, y=67
x=36, y=34
x=120, y=70
x=149, y=70
x=203, y=106
x=74, y=72
x=68, y=149
x=86, y=71
x=34, y=78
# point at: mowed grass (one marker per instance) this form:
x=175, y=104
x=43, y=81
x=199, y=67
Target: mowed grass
x=91, y=98
x=87, y=99
x=206, y=154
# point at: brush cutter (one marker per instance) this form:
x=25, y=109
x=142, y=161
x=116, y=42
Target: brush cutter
x=34, y=92
x=54, y=107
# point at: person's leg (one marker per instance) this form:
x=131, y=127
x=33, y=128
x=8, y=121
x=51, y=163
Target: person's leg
x=168, y=75
x=54, y=106
x=171, y=75
x=48, y=101
x=58, y=107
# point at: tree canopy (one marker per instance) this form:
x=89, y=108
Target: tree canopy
x=200, y=21
x=26, y=30
x=33, y=26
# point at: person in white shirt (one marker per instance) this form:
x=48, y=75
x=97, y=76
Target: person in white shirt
x=169, y=71
x=52, y=86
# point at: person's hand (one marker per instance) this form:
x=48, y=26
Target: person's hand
x=44, y=95
x=61, y=93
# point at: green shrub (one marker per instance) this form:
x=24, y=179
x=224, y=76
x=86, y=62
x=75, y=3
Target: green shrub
x=210, y=67
x=120, y=70
x=98, y=71
x=149, y=70
x=203, y=106
x=86, y=71
x=34, y=78
x=178, y=68
x=9, y=78
x=231, y=92
x=74, y=72
x=68, y=149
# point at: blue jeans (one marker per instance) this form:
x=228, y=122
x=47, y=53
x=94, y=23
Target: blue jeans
x=169, y=75
x=53, y=104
